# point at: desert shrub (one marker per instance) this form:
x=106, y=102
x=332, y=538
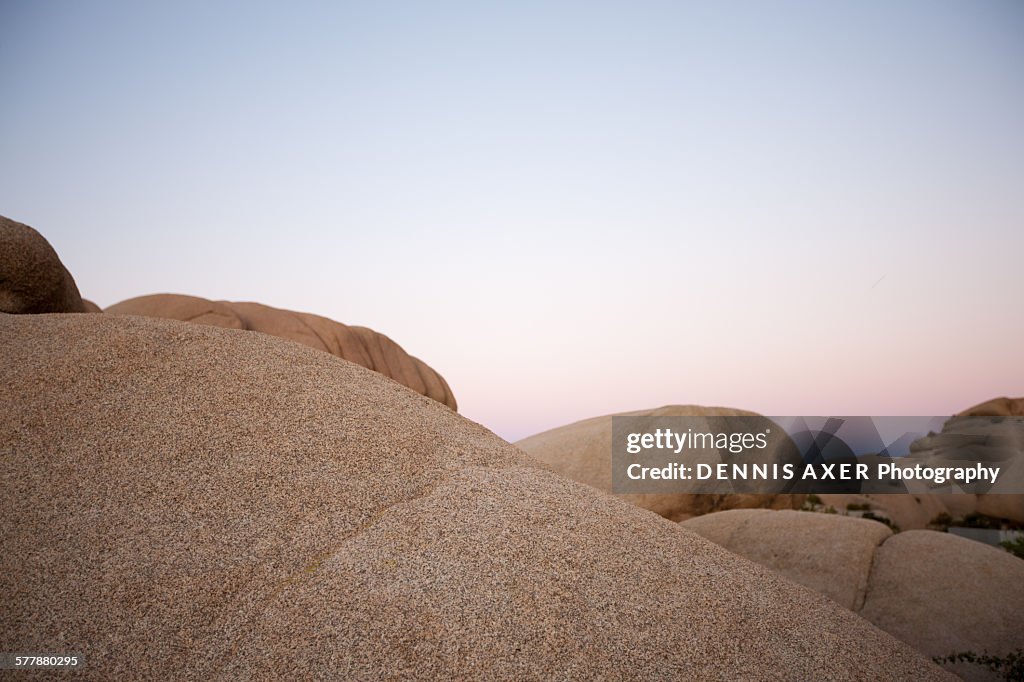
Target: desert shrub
x=881, y=519
x=975, y=520
x=811, y=503
x=1011, y=666
x=1014, y=547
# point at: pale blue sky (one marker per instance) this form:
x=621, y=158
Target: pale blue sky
x=566, y=208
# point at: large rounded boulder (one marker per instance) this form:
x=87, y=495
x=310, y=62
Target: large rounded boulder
x=32, y=278
x=942, y=594
x=830, y=554
x=947, y=595
x=583, y=450
x=356, y=344
x=187, y=502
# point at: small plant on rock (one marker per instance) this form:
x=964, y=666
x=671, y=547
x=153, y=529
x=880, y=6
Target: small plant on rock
x=871, y=516
x=1014, y=547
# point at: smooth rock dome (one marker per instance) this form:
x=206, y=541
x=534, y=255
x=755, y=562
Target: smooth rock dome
x=32, y=278
x=360, y=345
x=187, y=502
x=582, y=451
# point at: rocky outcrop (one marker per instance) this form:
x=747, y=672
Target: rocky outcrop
x=944, y=594
x=32, y=278
x=582, y=451
x=991, y=433
x=830, y=554
x=940, y=593
x=356, y=344
x=997, y=407
x=993, y=440
x=187, y=502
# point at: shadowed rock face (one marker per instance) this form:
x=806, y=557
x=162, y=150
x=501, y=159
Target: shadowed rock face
x=980, y=433
x=356, y=344
x=582, y=451
x=186, y=502
x=996, y=440
x=940, y=593
x=32, y=278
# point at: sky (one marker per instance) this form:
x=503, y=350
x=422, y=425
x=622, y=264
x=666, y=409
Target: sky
x=566, y=208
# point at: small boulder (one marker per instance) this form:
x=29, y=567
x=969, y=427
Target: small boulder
x=32, y=278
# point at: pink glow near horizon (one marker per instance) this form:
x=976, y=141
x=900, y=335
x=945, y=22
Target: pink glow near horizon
x=568, y=210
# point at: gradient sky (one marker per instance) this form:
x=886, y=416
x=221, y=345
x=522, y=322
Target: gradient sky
x=567, y=209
